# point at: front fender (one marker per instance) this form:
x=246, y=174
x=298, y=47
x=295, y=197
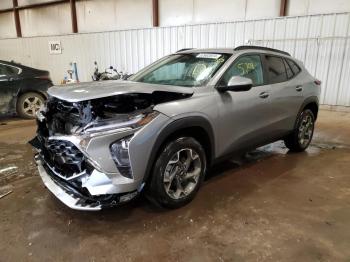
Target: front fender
x=175, y=126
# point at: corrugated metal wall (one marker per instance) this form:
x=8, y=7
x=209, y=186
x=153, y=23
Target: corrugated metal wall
x=320, y=41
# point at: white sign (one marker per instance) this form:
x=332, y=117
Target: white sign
x=208, y=55
x=55, y=47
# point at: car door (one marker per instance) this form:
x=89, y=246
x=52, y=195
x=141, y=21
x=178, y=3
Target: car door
x=285, y=95
x=8, y=90
x=244, y=115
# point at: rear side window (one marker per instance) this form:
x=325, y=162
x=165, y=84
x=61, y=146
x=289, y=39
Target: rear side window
x=276, y=69
x=288, y=70
x=8, y=70
x=295, y=68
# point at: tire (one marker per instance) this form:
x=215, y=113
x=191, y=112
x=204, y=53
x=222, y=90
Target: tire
x=303, y=131
x=28, y=104
x=180, y=165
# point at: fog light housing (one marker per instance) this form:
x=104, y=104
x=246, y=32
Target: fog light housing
x=120, y=154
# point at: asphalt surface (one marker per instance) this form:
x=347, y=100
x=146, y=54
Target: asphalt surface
x=270, y=205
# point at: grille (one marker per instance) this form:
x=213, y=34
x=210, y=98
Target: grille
x=64, y=157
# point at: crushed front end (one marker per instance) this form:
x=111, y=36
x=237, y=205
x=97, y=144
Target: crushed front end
x=93, y=154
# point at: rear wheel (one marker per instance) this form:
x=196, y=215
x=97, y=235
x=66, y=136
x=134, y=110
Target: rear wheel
x=28, y=104
x=301, y=137
x=178, y=173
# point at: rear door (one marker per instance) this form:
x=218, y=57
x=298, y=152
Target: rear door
x=8, y=88
x=285, y=94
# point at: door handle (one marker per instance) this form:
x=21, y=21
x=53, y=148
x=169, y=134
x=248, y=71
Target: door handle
x=264, y=95
x=299, y=88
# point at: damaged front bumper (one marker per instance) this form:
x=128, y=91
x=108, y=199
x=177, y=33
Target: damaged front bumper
x=76, y=198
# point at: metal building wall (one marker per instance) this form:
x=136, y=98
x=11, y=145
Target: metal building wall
x=320, y=41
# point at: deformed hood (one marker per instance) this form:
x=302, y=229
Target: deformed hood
x=99, y=89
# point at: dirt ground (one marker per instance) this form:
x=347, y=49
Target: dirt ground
x=268, y=206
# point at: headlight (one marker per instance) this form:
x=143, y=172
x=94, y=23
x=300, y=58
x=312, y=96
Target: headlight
x=120, y=155
x=125, y=122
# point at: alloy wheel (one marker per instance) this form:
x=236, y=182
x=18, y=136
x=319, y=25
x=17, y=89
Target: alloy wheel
x=31, y=105
x=306, y=130
x=182, y=173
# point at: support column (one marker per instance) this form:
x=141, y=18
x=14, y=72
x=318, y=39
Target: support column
x=73, y=12
x=17, y=19
x=283, y=9
x=155, y=8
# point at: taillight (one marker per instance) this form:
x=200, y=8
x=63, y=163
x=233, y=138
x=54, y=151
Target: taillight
x=317, y=82
x=43, y=77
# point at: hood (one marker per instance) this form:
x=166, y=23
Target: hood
x=99, y=89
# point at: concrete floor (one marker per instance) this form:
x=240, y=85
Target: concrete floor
x=268, y=206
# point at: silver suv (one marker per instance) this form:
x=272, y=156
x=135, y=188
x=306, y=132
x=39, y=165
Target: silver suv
x=102, y=143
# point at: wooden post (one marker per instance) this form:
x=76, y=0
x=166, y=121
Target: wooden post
x=283, y=8
x=155, y=8
x=17, y=19
x=73, y=11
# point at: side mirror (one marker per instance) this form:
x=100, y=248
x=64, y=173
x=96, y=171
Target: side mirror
x=236, y=84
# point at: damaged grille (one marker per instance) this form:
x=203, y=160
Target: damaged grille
x=64, y=153
x=64, y=157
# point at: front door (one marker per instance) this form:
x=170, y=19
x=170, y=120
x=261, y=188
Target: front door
x=6, y=90
x=244, y=115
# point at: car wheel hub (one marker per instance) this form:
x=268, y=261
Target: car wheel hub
x=305, y=130
x=182, y=173
x=31, y=105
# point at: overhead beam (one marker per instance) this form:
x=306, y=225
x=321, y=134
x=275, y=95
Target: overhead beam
x=155, y=8
x=31, y=6
x=17, y=19
x=73, y=12
x=6, y=10
x=44, y=4
x=283, y=8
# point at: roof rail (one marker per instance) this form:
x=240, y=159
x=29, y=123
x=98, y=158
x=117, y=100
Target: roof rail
x=244, y=47
x=183, y=49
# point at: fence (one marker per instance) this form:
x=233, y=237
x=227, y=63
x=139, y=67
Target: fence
x=320, y=41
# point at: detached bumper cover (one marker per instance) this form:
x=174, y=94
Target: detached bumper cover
x=73, y=198
x=69, y=200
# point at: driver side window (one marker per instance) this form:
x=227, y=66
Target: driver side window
x=248, y=66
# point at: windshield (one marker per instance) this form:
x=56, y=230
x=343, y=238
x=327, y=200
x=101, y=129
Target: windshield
x=187, y=70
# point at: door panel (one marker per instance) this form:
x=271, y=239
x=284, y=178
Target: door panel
x=243, y=115
x=286, y=95
x=7, y=90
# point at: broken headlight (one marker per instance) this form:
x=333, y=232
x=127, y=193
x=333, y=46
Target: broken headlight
x=120, y=148
x=120, y=154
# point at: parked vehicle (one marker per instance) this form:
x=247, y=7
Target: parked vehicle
x=101, y=144
x=110, y=73
x=22, y=89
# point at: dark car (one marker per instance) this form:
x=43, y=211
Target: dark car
x=22, y=89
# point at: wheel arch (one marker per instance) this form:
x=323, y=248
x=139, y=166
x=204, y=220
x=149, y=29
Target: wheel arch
x=26, y=91
x=312, y=104
x=194, y=126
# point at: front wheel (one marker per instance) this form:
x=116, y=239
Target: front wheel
x=28, y=104
x=178, y=173
x=301, y=137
